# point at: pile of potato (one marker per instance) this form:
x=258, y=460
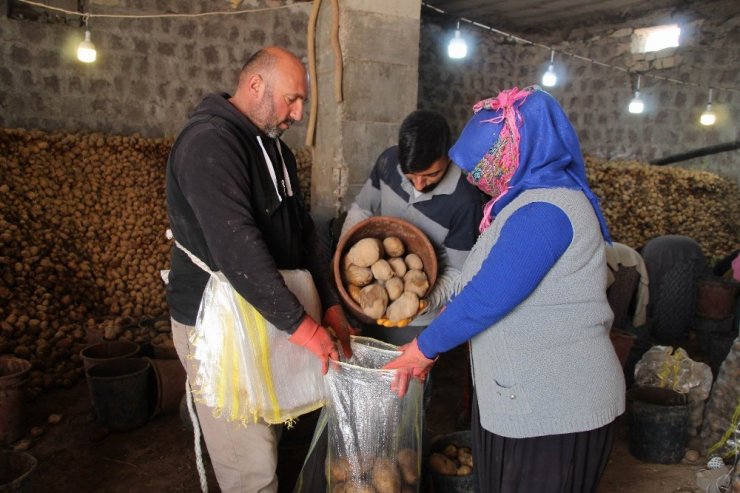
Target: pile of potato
x=304, y=161
x=83, y=218
x=454, y=460
x=642, y=201
x=82, y=241
x=384, y=279
x=376, y=475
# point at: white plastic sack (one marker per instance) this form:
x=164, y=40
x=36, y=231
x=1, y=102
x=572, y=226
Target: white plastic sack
x=374, y=436
x=248, y=370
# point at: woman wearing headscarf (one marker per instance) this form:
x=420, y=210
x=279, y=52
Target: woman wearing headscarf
x=547, y=382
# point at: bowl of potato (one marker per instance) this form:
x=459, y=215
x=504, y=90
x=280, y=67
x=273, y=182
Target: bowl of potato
x=383, y=266
x=451, y=463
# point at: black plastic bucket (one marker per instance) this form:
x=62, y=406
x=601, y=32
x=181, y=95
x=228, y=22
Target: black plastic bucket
x=720, y=344
x=452, y=484
x=106, y=351
x=705, y=327
x=658, y=424
x=16, y=470
x=119, y=393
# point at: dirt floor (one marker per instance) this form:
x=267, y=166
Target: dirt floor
x=76, y=455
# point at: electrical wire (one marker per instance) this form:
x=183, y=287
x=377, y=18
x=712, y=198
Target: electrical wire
x=159, y=16
x=506, y=35
x=521, y=40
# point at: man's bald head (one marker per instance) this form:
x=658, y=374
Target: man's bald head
x=272, y=89
x=265, y=61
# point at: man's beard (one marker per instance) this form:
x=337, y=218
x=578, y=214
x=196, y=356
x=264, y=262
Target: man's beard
x=273, y=131
x=267, y=108
x=429, y=188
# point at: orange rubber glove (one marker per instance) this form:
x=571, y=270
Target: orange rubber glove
x=411, y=363
x=403, y=322
x=316, y=339
x=335, y=319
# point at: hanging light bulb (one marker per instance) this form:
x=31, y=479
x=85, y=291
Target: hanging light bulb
x=708, y=117
x=86, y=49
x=457, y=47
x=636, y=105
x=550, y=78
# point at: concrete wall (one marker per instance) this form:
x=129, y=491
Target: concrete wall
x=595, y=97
x=380, y=54
x=149, y=72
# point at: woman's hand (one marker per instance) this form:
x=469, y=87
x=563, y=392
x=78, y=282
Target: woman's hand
x=410, y=364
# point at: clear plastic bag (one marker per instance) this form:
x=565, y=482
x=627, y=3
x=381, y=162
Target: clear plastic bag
x=662, y=367
x=248, y=369
x=374, y=437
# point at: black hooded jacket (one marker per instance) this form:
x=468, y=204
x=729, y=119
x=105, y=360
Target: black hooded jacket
x=226, y=209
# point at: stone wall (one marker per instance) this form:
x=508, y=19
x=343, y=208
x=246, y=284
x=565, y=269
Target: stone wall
x=149, y=72
x=596, y=97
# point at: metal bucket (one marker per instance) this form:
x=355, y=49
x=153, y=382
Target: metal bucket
x=119, y=390
x=15, y=471
x=107, y=351
x=167, y=386
x=13, y=376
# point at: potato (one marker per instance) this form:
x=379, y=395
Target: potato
x=382, y=270
x=340, y=469
x=442, y=465
x=365, y=252
x=393, y=246
x=464, y=470
x=394, y=286
x=359, y=276
x=404, y=307
x=465, y=456
x=415, y=281
x=413, y=261
x=385, y=476
x=358, y=487
x=408, y=464
x=366, y=464
x=465, y=459
x=399, y=266
x=373, y=300
x=354, y=292
x=451, y=451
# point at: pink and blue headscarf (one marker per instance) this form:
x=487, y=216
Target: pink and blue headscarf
x=517, y=141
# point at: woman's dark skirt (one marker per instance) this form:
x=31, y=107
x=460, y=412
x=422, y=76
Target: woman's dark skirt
x=570, y=463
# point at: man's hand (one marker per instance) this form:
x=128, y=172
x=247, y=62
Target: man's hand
x=404, y=321
x=411, y=363
x=316, y=339
x=335, y=319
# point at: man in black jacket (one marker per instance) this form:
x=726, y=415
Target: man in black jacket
x=233, y=202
